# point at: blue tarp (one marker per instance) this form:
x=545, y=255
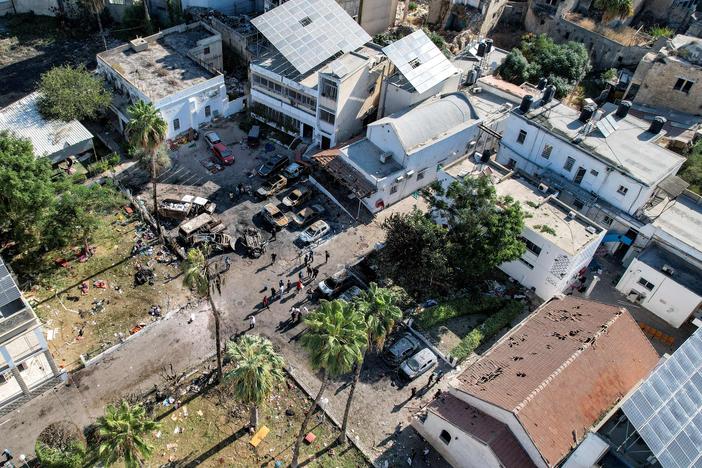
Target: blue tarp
x=616, y=237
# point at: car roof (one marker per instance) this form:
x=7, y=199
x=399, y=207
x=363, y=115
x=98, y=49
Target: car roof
x=292, y=165
x=271, y=208
x=405, y=338
x=318, y=225
x=212, y=133
x=220, y=146
x=424, y=355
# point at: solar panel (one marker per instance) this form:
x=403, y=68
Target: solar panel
x=666, y=409
x=8, y=290
x=308, y=32
x=419, y=60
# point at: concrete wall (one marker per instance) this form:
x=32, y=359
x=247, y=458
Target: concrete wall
x=529, y=159
x=394, y=99
x=463, y=451
x=655, y=79
x=669, y=300
x=232, y=38
x=189, y=105
x=378, y=15
x=208, y=51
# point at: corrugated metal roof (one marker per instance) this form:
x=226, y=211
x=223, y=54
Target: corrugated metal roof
x=47, y=136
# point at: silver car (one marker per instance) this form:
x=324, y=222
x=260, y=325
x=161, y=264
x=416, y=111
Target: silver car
x=418, y=364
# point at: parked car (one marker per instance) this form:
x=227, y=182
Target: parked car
x=350, y=294
x=315, y=232
x=212, y=138
x=294, y=171
x=254, y=136
x=308, y=214
x=418, y=364
x=274, y=216
x=335, y=283
x=273, y=165
x=297, y=196
x=223, y=154
x=271, y=187
x=401, y=349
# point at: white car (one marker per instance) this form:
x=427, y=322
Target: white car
x=211, y=138
x=315, y=232
x=418, y=364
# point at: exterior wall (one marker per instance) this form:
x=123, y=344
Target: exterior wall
x=656, y=78
x=529, y=159
x=213, y=59
x=189, y=105
x=378, y=15
x=463, y=451
x=6, y=7
x=669, y=300
x=39, y=7
x=232, y=38
x=394, y=99
x=492, y=11
x=228, y=7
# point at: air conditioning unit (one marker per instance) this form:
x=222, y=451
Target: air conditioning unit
x=399, y=179
x=591, y=229
x=571, y=215
x=409, y=174
x=668, y=270
x=476, y=90
x=543, y=188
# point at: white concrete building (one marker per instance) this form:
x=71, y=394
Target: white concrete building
x=176, y=70
x=663, y=283
x=402, y=153
x=53, y=139
x=535, y=394
x=317, y=81
x=560, y=242
x=26, y=365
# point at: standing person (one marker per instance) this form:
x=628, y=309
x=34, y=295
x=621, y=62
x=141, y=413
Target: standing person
x=439, y=376
x=414, y=392
x=273, y=293
x=273, y=257
x=252, y=321
x=315, y=272
x=282, y=286
x=266, y=302
x=288, y=286
x=326, y=256
x=299, y=286
x=311, y=257
x=309, y=271
x=299, y=276
x=431, y=379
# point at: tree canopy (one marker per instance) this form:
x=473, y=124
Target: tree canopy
x=538, y=57
x=122, y=431
x=68, y=93
x=691, y=170
x=612, y=9
x=479, y=231
x=60, y=445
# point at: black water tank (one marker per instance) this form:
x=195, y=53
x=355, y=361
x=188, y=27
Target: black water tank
x=657, y=124
x=481, y=49
x=542, y=83
x=488, y=46
x=526, y=103
x=486, y=156
x=623, y=109
x=586, y=113
x=549, y=93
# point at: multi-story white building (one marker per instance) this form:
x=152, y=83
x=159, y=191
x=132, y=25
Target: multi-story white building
x=402, y=153
x=318, y=79
x=560, y=242
x=177, y=70
x=26, y=365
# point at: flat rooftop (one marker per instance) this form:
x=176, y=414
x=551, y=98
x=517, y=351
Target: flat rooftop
x=681, y=219
x=685, y=273
x=366, y=155
x=545, y=215
x=630, y=148
x=164, y=67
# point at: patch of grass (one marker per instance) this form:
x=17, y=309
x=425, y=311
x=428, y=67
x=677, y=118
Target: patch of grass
x=457, y=308
x=487, y=330
x=545, y=229
x=661, y=31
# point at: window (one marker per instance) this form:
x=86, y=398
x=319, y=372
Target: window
x=445, y=437
x=683, y=85
x=622, y=190
x=521, y=137
x=420, y=174
x=393, y=189
x=329, y=89
x=206, y=51
x=569, y=164
x=646, y=284
x=528, y=265
x=531, y=247
x=326, y=116
x=176, y=124
x=594, y=173
x=306, y=21
x=578, y=204
x=512, y=163
x=607, y=221
x=208, y=111
x=546, y=153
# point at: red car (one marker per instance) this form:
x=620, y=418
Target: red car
x=223, y=154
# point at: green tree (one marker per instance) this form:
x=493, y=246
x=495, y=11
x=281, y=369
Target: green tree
x=68, y=93
x=377, y=306
x=122, y=432
x=156, y=164
x=414, y=255
x=258, y=368
x=60, y=445
x=335, y=340
x=147, y=130
x=691, y=170
x=612, y=9
x=483, y=229
x=197, y=276
x=27, y=193
x=515, y=67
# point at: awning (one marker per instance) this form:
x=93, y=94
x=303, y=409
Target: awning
x=332, y=161
x=673, y=185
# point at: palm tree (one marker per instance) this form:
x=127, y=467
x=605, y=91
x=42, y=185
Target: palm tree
x=147, y=129
x=196, y=276
x=377, y=306
x=615, y=8
x=335, y=338
x=121, y=431
x=258, y=369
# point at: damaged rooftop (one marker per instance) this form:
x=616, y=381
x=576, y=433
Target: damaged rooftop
x=163, y=67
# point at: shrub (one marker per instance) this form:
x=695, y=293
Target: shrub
x=412, y=6
x=60, y=445
x=661, y=31
x=458, y=308
x=486, y=330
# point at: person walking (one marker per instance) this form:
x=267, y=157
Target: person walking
x=252, y=321
x=431, y=379
x=311, y=257
x=273, y=293
x=288, y=286
x=414, y=392
x=326, y=256
x=315, y=272
x=299, y=286
x=309, y=271
x=300, y=276
x=266, y=302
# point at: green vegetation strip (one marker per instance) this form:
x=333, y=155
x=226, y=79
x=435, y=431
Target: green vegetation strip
x=458, y=308
x=487, y=330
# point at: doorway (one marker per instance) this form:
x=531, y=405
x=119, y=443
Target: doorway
x=579, y=175
x=307, y=131
x=326, y=142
